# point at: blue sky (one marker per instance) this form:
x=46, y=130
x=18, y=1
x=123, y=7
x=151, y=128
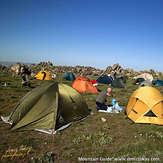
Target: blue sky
x=94, y=33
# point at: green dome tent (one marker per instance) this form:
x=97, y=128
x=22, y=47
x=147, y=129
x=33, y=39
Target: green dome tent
x=119, y=82
x=69, y=76
x=48, y=107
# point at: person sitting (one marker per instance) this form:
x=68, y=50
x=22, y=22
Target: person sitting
x=101, y=99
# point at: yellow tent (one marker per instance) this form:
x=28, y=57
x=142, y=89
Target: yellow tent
x=146, y=106
x=43, y=75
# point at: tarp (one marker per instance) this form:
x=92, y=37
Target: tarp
x=94, y=82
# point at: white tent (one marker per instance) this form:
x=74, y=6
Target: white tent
x=146, y=76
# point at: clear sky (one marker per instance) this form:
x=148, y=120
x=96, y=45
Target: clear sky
x=94, y=33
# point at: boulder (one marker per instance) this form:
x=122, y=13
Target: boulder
x=15, y=69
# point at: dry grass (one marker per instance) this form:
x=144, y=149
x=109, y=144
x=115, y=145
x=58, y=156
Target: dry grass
x=116, y=138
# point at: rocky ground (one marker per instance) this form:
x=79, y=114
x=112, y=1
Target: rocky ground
x=17, y=68
x=101, y=136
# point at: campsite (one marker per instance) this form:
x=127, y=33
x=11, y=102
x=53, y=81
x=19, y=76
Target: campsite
x=100, y=137
x=81, y=81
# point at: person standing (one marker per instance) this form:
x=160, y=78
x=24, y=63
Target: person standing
x=25, y=80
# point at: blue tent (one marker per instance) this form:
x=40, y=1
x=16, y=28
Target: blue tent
x=157, y=82
x=69, y=76
x=105, y=79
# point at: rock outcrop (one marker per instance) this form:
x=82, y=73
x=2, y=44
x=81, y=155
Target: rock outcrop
x=114, y=70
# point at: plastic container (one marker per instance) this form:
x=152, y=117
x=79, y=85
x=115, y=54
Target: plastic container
x=116, y=106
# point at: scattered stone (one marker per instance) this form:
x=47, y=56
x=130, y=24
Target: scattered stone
x=114, y=71
x=103, y=119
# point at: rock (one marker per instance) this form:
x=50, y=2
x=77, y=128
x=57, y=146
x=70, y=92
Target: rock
x=103, y=119
x=19, y=69
x=115, y=67
x=3, y=68
x=15, y=69
x=115, y=70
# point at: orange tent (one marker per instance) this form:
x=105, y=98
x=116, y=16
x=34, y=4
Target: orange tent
x=82, y=84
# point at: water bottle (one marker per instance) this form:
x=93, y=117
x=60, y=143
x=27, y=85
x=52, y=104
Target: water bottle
x=116, y=106
x=114, y=102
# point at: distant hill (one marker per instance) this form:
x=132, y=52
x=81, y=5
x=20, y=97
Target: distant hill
x=7, y=64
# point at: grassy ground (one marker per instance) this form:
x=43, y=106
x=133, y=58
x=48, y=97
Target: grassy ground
x=116, y=139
